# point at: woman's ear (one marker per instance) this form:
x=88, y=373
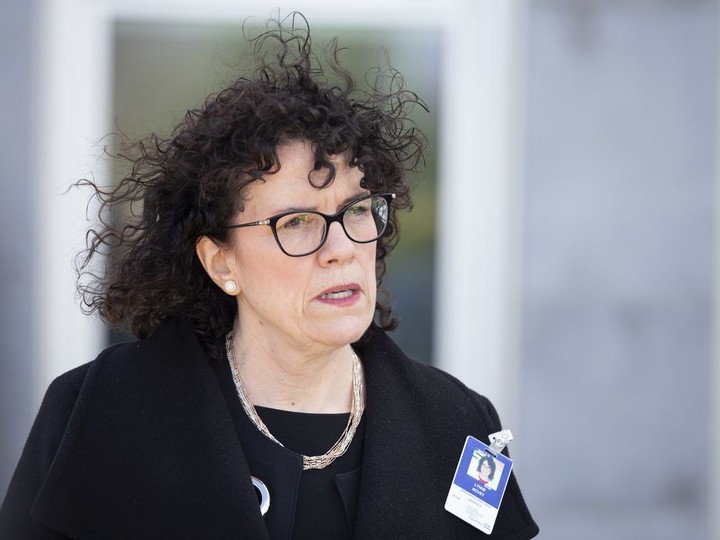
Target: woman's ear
x=214, y=261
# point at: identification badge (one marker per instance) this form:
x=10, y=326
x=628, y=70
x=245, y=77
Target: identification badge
x=479, y=484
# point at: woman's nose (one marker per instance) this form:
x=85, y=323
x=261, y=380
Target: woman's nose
x=337, y=247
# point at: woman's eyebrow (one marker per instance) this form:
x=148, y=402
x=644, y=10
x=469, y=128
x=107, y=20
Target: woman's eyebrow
x=358, y=195
x=343, y=204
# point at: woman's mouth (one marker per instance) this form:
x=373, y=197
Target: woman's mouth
x=339, y=295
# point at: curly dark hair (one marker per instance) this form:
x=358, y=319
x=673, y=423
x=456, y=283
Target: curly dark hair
x=191, y=184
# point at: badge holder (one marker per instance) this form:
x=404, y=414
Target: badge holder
x=480, y=480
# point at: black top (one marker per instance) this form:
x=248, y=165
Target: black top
x=303, y=504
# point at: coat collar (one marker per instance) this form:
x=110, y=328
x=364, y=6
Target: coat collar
x=410, y=449
x=150, y=450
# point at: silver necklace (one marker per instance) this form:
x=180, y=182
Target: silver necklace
x=341, y=445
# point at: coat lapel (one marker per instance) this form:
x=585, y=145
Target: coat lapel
x=413, y=440
x=150, y=450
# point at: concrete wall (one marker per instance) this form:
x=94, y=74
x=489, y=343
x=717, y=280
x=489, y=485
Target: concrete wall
x=618, y=273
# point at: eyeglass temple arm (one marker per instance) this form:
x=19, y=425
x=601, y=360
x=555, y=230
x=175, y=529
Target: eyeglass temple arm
x=251, y=224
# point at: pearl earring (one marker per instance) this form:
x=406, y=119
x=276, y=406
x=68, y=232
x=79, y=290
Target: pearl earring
x=230, y=286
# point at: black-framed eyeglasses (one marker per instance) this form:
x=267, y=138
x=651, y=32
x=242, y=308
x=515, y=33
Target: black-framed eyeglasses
x=364, y=220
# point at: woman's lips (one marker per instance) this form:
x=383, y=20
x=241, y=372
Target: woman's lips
x=337, y=295
x=341, y=295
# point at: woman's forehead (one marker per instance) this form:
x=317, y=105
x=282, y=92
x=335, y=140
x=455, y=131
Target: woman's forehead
x=287, y=189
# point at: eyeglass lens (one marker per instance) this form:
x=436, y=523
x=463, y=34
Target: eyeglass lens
x=303, y=232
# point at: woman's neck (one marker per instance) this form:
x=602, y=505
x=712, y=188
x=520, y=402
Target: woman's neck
x=289, y=379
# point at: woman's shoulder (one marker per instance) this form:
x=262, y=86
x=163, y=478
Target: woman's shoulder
x=388, y=367
x=380, y=352
x=70, y=382
x=173, y=341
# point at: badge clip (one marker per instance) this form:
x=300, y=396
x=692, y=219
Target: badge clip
x=500, y=440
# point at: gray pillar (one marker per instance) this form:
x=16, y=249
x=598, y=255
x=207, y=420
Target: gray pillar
x=18, y=241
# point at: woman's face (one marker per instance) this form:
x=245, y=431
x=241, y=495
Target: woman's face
x=320, y=301
x=485, y=470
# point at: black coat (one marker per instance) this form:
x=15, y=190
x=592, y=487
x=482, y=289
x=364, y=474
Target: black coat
x=140, y=444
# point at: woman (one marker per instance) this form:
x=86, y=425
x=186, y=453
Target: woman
x=261, y=400
x=486, y=469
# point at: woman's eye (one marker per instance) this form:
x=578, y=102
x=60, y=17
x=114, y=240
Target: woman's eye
x=295, y=221
x=358, y=209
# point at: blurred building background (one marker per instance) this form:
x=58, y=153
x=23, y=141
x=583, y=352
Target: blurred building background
x=620, y=201
x=562, y=254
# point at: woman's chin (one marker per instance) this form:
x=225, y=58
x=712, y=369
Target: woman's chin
x=342, y=333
